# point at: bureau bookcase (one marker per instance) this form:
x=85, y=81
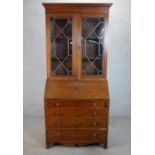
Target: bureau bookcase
x=76, y=99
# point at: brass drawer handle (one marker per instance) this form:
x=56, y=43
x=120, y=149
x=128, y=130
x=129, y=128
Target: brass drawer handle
x=95, y=104
x=94, y=123
x=58, y=113
x=58, y=134
x=57, y=104
x=76, y=123
x=58, y=124
x=94, y=113
x=94, y=134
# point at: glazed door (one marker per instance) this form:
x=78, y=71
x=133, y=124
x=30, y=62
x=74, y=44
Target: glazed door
x=91, y=46
x=60, y=44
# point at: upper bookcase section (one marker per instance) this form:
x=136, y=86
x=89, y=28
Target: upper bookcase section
x=77, y=7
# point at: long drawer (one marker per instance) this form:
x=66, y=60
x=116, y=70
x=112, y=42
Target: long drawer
x=72, y=113
x=79, y=135
x=82, y=104
x=76, y=123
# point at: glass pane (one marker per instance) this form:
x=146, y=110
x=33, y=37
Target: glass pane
x=61, y=46
x=92, y=46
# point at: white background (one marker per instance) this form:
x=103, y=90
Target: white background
x=11, y=79
x=118, y=57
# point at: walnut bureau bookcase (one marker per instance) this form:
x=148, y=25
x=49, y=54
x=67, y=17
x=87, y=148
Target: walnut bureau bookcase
x=76, y=99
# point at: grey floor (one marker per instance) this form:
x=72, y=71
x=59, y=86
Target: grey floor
x=34, y=140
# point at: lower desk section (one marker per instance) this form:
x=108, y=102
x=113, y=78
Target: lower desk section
x=76, y=122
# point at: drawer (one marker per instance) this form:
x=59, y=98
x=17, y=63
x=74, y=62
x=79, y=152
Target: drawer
x=78, y=135
x=82, y=104
x=75, y=123
x=53, y=112
x=93, y=113
x=73, y=112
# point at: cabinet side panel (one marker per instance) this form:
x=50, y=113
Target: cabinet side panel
x=48, y=63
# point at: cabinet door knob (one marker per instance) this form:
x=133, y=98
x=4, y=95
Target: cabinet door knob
x=57, y=104
x=78, y=46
